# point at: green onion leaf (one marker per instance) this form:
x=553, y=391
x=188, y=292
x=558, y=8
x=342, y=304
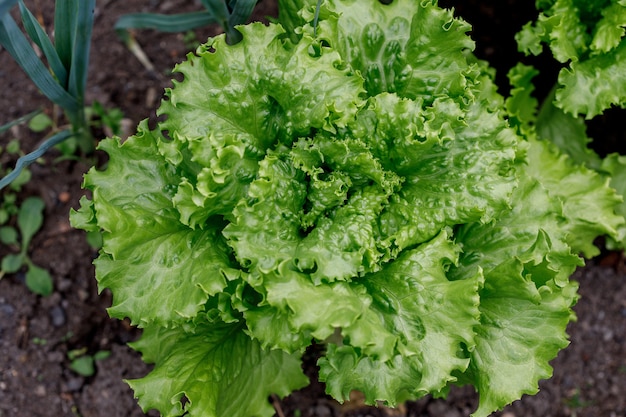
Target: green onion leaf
x=64, y=26
x=28, y=159
x=242, y=10
x=164, y=23
x=218, y=9
x=81, y=40
x=5, y=6
x=39, y=36
x=16, y=44
x=19, y=121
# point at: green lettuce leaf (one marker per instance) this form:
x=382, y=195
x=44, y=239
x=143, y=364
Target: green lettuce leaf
x=521, y=104
x=212, y=370
x=615, y=166
x=412, y=49
x=574, y=29
x=522, y=328
x=547, y=122
x=610, y=30
x=590, y=35
x=526, y=300
x=238, y=101
x=589, y=203
x=432, y=317
x=145, y=248
x=517, y=232
x=452, y=184
x=592, y=86
x=567, y=132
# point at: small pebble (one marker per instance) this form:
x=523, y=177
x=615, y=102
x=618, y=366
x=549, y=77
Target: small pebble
x=64, y=284
x=55, y=357
x=74, y=384
x=64, y=197
x=57, y=316
x=40, y=391
x=82, y=295
x=7, y=309
x=322, y=411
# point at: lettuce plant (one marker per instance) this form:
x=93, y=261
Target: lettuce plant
x=358, y=183
x=587, y=37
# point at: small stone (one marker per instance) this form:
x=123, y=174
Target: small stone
x=7, y=309
x=57, y=316
x=55, y=357
x=74, y=384
x=40, y=391
x=322, y=411
x=82, y=294
x=64, y=284
x=64, y=197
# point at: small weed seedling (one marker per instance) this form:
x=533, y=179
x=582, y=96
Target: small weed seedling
x=84, y=364
x=29, y=221
x=18, y=234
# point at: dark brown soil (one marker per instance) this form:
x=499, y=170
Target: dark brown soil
x=37, y=333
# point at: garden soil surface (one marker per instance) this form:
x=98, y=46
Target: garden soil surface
x=39, y=334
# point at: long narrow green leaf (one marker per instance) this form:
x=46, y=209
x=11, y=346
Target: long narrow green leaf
x=316, y=17
x=39, y=36
x=19, y=121
x=28, y=159
x=5, y=6
x=165, y=23
x=64, y=26
x=14, y=41
x=81, y=45
x=218, y=9
x=241, y=13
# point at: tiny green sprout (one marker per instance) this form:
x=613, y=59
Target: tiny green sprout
x=29, y=221
x=75, y=411
x=575, y=400
x=190, y=40
x=84, y=364
x=39, y=341
x=40, y=123
x=8, y=235
x=109, y=120
x=13, y=147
